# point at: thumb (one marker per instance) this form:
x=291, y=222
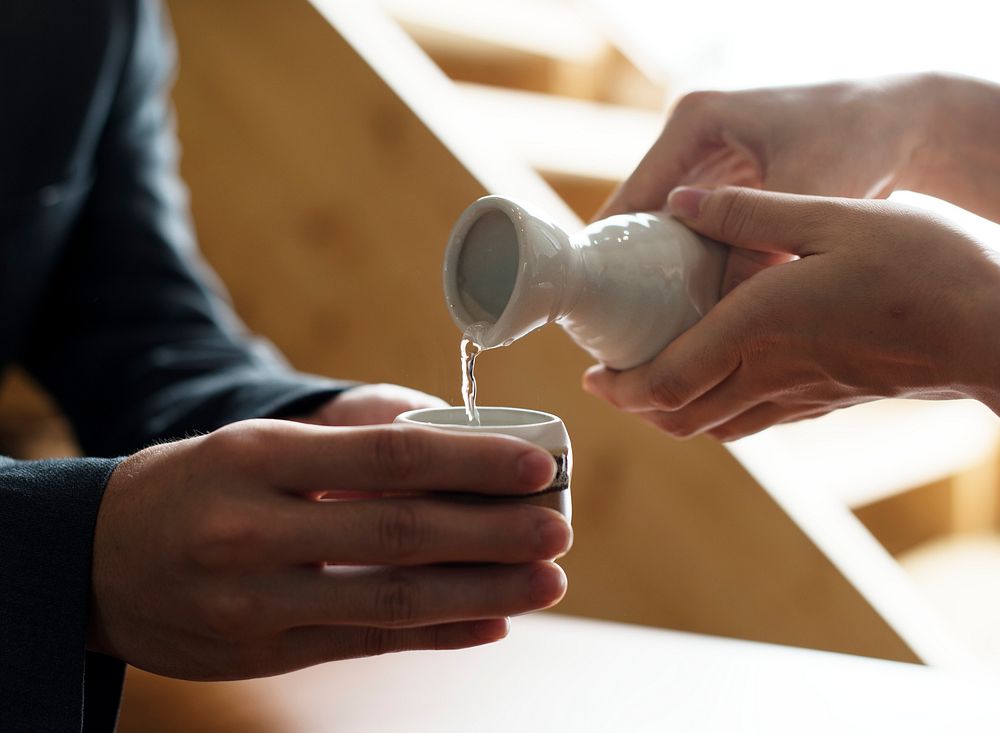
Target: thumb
x=764, y=221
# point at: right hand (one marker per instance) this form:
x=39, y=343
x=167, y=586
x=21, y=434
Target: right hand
x=213, y=558
x=885, y=300
x=857, y=140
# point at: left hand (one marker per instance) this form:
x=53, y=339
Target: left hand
x=211, y=559
x=793, y=139
x=884, y=301
x=371, y=404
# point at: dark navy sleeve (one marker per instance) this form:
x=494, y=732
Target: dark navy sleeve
x=135, y=338
x=103, y=298
x=47, y=514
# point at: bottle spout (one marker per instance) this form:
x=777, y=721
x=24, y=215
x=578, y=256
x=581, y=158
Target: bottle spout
x=504, y=270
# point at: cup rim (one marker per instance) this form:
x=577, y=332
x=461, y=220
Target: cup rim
x=541, y=418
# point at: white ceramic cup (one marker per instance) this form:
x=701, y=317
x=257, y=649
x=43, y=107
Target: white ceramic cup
x=541, y=428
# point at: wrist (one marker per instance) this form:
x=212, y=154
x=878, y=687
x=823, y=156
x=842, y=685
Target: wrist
x=992, y=396
x=987, y=384
x=929, y=126
x=958, y=156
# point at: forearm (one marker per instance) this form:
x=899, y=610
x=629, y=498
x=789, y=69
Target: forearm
x=959, y=160
x=132, y=337
x=978, y=307
x=991, y=394
x=142, y=351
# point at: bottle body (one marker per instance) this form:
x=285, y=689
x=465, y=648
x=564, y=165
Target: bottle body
x=623, y=287
x=648, y=279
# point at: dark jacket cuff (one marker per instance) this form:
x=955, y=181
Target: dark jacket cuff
x=48, y=511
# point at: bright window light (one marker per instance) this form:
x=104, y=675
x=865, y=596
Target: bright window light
x=727, y=44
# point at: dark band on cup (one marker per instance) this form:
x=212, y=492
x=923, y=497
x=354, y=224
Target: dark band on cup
x=559, y=484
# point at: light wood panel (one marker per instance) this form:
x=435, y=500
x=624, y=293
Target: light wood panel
x=584, y=195
x=31, y=425
x=905, y=520
x=554, y=48
x=962, y=504
x=324, y=186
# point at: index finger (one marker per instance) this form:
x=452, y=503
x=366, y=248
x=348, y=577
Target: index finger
x=691, y=365
x=660, y=169
x=308, y=458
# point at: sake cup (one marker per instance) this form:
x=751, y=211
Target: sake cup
x=541, y=428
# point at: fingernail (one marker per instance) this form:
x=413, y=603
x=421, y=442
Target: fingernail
x=548, y=585
x=492, y=629
x=536, y=469
x=554, y=538
x=686, y=202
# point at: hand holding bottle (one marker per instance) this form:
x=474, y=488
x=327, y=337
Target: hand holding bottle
x=886, y=301
x=932, y=133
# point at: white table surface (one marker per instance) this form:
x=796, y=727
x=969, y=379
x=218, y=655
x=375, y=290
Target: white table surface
x=556, y=673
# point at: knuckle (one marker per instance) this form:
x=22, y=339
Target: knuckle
x=675, y=427
x=829, y=217
x=737, y=214
x=739, y=428
x=683, y=432
x=400, y=533
x=665, y=393
x=231, y=614
x=226, y=539
x=256, y=660
x=396, y=601
x=396, y=452
x=438, y=638
x=375, y=641
x=725, y=434
x=239, y=446
x=697, y=102
x=242, y=433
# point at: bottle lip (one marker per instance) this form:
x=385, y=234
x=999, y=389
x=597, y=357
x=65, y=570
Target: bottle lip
x=500, y=330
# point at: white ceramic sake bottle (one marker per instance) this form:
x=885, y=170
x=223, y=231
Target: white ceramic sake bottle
x=623, y=288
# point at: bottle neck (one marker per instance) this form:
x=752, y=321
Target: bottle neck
x=576, y=280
